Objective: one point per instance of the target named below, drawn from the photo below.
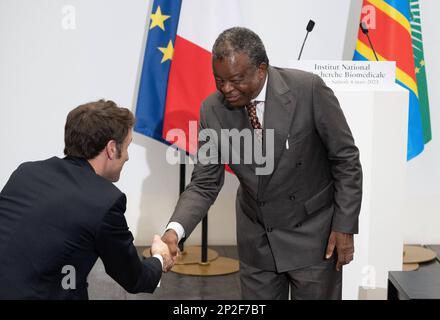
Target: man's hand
(160, 247)
(170, 238)
(344, 248)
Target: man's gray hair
(240, 40)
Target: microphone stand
(364, 29)
(302, 47)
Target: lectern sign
(351, 73)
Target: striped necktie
(252, 113)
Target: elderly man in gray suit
(295, 225)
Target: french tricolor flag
(177, 72)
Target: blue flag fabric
(159, 50)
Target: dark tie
(252, 113)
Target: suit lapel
(278, 115)
(234, 118)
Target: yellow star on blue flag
(158, 19)
(167, 52)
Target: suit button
(269, 229)
(261, 203)
(298, 225)
(299, 164)
(292, 197)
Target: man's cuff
(158, 256)
(178, 228)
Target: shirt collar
(262, 95)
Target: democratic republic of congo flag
(420, 64)
(389, 27)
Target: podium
(378, 118)
(379, 122)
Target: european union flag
(159, 51)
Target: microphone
(364, 29)
(309, 28)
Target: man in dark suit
(295, 225)
(58, 216)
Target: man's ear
(262, 69)
(110, 149)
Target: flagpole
(205, 239)
(204, 247)
(182, 185)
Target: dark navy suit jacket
(57, 217)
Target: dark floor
(181, 287)
(173, 286)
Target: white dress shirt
(260, 102)
(158, 256)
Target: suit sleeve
(343, 156)
(206, 181)
(115, 247)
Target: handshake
(167, 247)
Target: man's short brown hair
(89, 127)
